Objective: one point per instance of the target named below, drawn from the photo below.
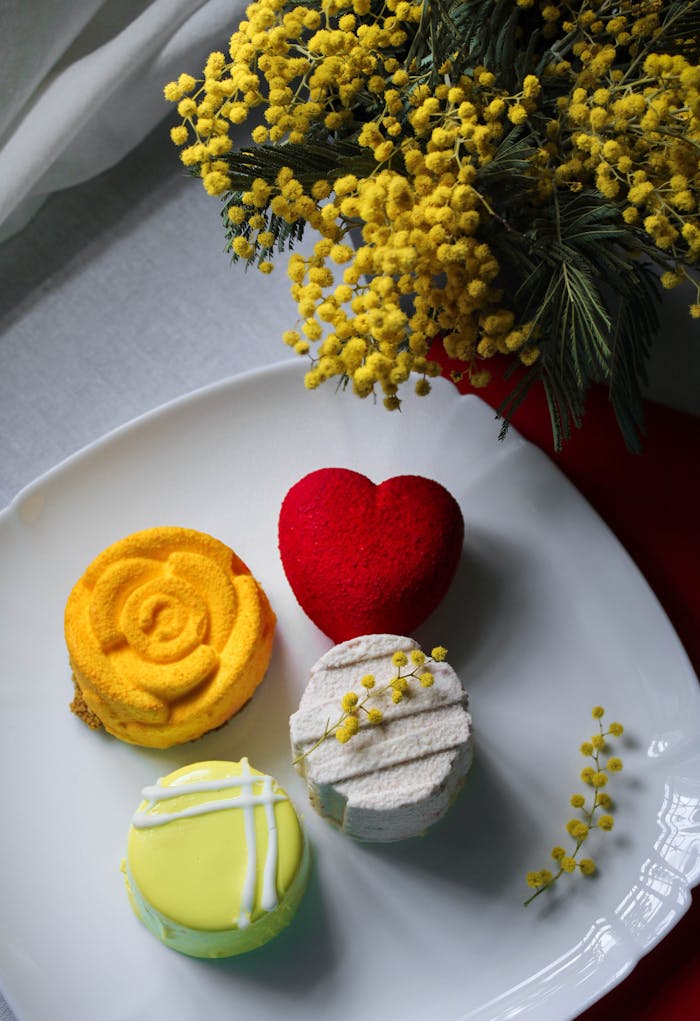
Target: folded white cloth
(82, 83)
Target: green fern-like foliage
(596, 331)
(587, 194)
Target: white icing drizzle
(269, 890)
(245, 800)
(158, 793)
(248, 891)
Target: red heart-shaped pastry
(365, 559)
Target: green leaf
(593, 303)
(310, 161)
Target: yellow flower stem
(577, 848)
(589, 814)
(541, 889)
(360, 706)
(331, 729)
(643, 53)
(326, 734)
(492, 212)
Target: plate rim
(285, 368)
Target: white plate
(547, 617)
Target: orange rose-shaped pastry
(168, 635)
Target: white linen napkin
(81, 83)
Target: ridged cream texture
(391, 780)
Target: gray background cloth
(119, 296)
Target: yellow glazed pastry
(217, 860)
(168, 635)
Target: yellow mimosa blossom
(579, 829)
(429, 185)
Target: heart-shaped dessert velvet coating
(369, 559)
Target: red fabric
(651, 501)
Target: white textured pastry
(394, 779)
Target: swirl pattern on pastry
(168, 635)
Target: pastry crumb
(80, 709)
